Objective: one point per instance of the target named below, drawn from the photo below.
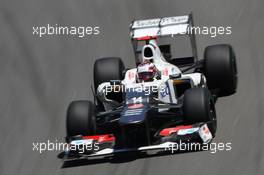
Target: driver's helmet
(146, 72)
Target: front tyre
(198, 107)
(81, 118)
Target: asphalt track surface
(40, 76)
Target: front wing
(171, 139)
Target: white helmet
(146, 72)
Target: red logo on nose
(134, 106)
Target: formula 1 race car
(163, 101)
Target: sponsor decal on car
(205, 133)
(135, 106)
(187, 131)
(165, 72)
(131, 75)
(164, 92)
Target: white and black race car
(176, 104)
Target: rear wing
(144, 30)
(160, 27)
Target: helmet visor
(145, 76)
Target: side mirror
(175, 76)
(115, 82)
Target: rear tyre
(81, 118)
(198, 106)
(221, 69)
